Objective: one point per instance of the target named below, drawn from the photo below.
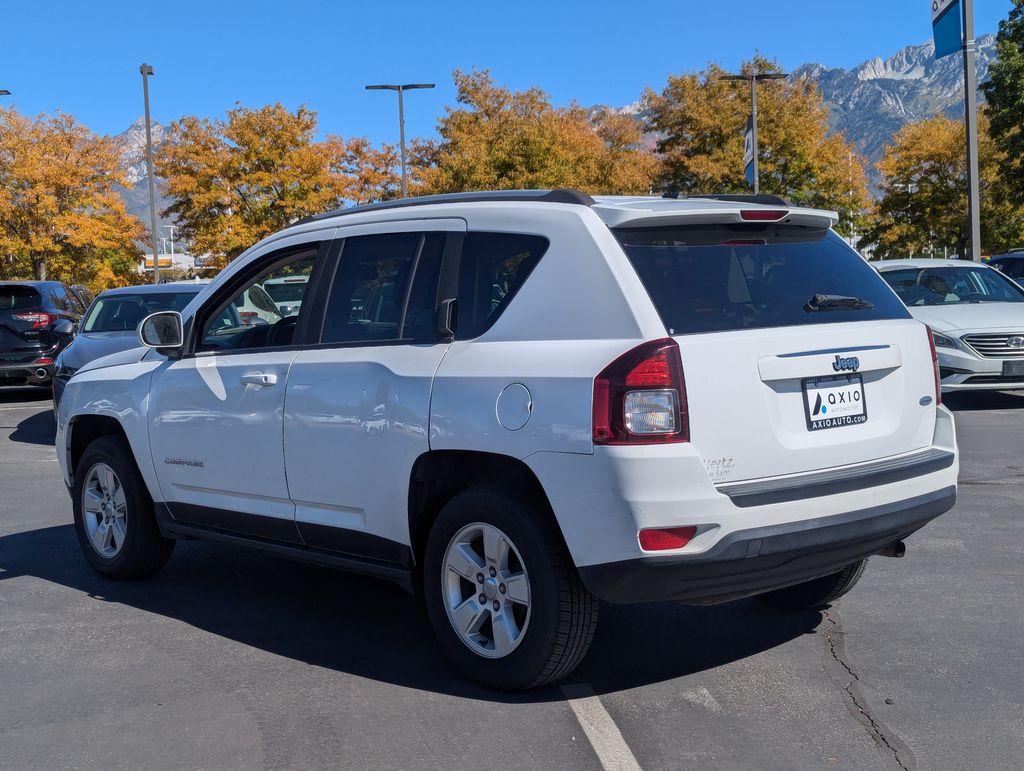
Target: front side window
(951, 286)
(252, 320)
(123, 312)
(385, 288)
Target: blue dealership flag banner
(748, 150)
(949, 36)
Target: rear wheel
(114, 518)
(817, 592)
(502, 593)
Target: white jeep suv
(574, 400)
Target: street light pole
(971, 109)
(146, 70)
(401, 88)
(4, 92)
(172, 228)
(754, 78)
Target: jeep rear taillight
(640, 398)
(935, 366)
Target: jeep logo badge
(851, 363)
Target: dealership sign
(946, 27)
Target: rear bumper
(747, 562)
(25, 374)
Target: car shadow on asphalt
(373, 629)
(977, 401)
(40, 428)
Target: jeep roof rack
(762, 198)
(560, 195)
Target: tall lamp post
(4, 92)
(754, 78)
(401, 88)
(971, 117)
(146, 70)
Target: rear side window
(721, 278)
(492, 268)
(16, 298)
(385, 288)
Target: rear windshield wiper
(836, 302)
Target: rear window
(727, 277)
(289, 290)
(14, 298)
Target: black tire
(818, 592)
(563, 614)
(144, 550)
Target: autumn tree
(924, 202)
(369, 173)
(60, 214)
(1004, 93)
(235, 181)
(699, 120)
(497, 138)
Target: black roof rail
(560, 195)
(762, 198)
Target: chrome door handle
(258, 379)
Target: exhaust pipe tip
(896, 549)
(42, 374)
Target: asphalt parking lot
(231, 659)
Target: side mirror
(64, 328)
(162, 330)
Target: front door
(216, 415)
(358, 404)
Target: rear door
(778, 382)
(358, 403)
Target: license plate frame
(847, 385)
(1013, 369)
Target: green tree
(699, 119)
(60, 214)
(503, 139)
(1004, 92)
(924, 202)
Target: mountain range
(868, 103)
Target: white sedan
(976, 315)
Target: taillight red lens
(935, 367)
(763, 215)
(651, 376)
(661, 539)
(38, 320)
(44, 360)
(248, 317)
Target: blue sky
(83, 57)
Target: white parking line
(602, 733)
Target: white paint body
(333, 441)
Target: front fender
(121, 393)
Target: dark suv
(31, 329)
(1011, 264)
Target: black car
(37, 321)
(83, 293)
(1010, 264)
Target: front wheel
(502, 593)
(817, 592)
(114, 518)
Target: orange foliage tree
(60, 214)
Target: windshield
(282, 292)
(952, 286)
(14, 298)
(123, 312)
(726, 277)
